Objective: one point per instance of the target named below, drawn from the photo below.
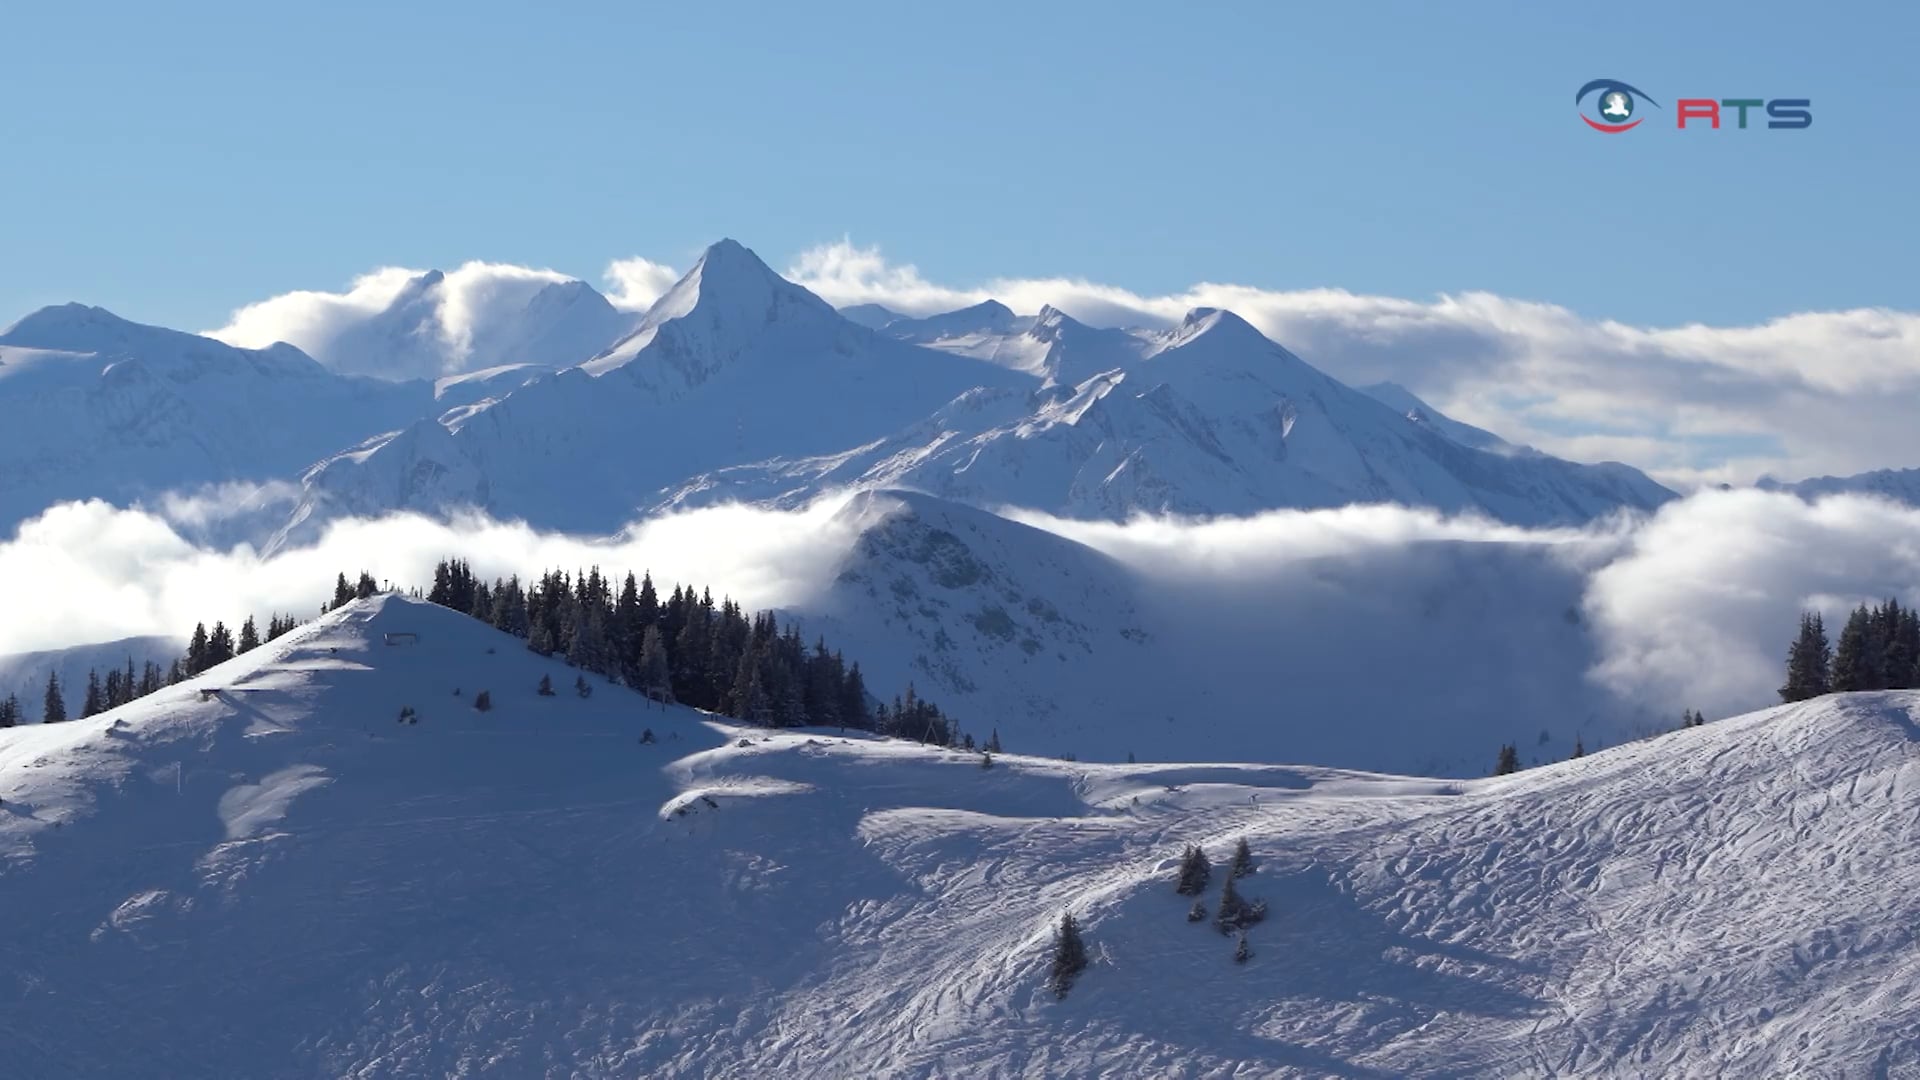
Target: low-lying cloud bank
(1692, 607)
(86, 572)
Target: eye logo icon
(1614, 104)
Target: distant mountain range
(740, 385)
(1900, 485)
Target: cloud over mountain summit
(1805, 394)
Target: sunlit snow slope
(277, 879)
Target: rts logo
(1616, 105)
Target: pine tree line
(205, 649)
(1879, 649)
(687, 648)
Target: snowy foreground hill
(261, 873)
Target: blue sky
(174, 164)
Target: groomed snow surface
(262, 873)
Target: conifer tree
(1855, 665)
(546, 686)
(1809, 661)
(582, 687)
(249, 636)
(54, 708)
(9, 711)
(582, 639)
(1898, 654)
(655, 675)
(853, 702)
(540, 639)
(824, 675)
(993, 741)
(1242, 952)
(1195, 869)
(1069, 956)
(1242, 859)
(342, 592)
(95, 702)
(197, 650)
(649, 610)
(1579, 748)
(623, 637)
(692, 682)
(1509, 761)
(442, 591)
(1234, 911)
(219, 644)
(483, 701)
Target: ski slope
(261, 873)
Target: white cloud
(1700, 606)
(394, 322)
(215, 515)
(478, 296)
(1178, 550)
(311, 319)
(1692, 607)
(94, 572)
(634, 284)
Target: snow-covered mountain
(1419, 659)
(1900, 485)
(738, 384)
(871, 316)
(94, 406)
(1403, 401)
(1207, 418)
(24, 675)
(732, 364)
(532, 890)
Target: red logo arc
(1611, 129)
